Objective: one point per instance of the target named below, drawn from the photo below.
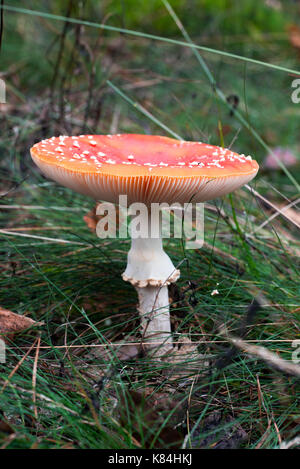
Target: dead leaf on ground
(5, 427)
(12, 323)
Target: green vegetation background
(57, 83)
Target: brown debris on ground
(12, 323)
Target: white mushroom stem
(150, 271)
(155, 318)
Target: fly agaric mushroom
(147, 169)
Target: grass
(68, 392)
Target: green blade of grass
(147, 36)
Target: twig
(258, 351)
(279, 210)
(39, 207)
(57, 240)
(288, 444)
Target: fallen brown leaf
(11, 323)
(5, 427)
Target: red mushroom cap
(146, 168)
